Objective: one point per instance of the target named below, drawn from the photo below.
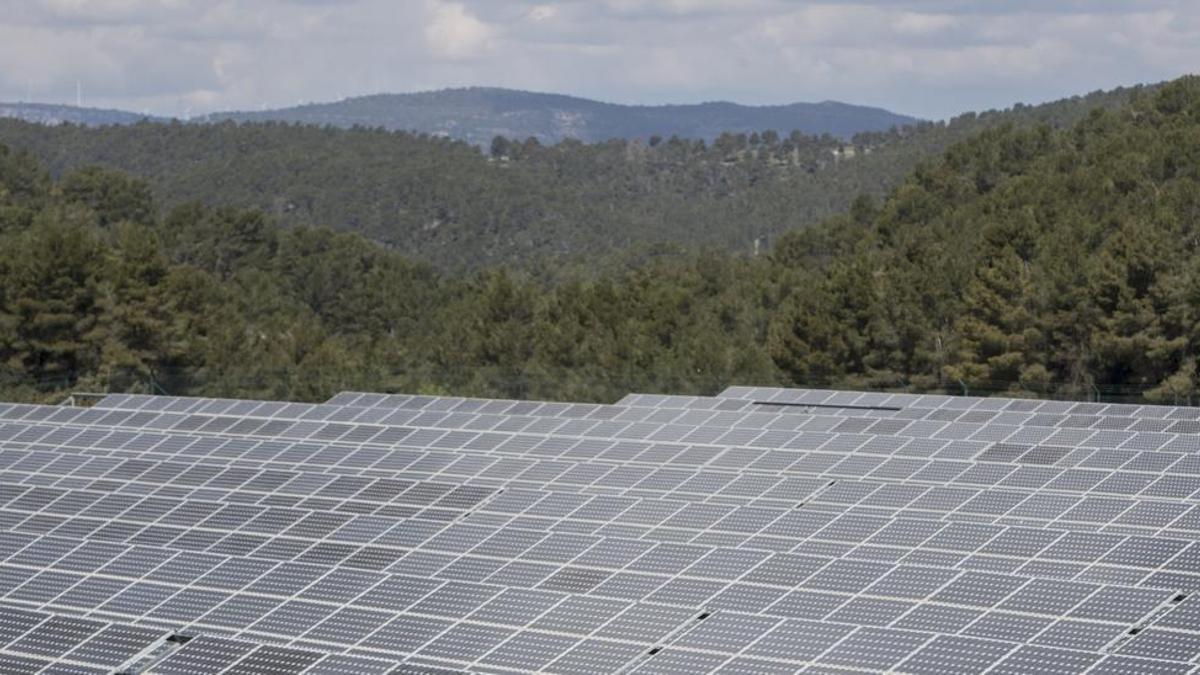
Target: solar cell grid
(858, 533)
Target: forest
(479, 114)
(1043, 257)
(521, 203)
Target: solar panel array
(759, 531)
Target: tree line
(1028, 259)
(521, 203)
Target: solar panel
(760, 530)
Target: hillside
(55, 114)
(1024, 260)
(479, 114)
(446, 203)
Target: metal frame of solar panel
(760, 530)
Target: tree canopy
(522, 203)
(1029, 259)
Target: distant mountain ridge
(478, 114)
(54, 114)
(444, 202)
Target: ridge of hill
(54, 114)
(1026, 259)
(447, 203)
(479, 114)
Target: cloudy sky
(931, 58)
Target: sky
(929, 58)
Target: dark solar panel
(762, 530)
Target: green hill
(54, 114)
(446, 203)
(478, 114)
(1027, 259)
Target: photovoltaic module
(757, 531)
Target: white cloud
(686, 7)
(542, 12)
(927, 57)
(912, 23)
(452, 32)
(101, 12)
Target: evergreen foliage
(1028, 259)
(522, 203)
